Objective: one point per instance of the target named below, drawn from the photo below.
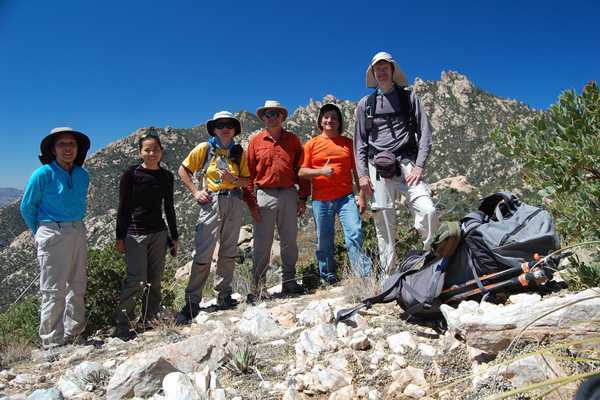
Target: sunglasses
(221, 125)
(271, 114)
(148, 134)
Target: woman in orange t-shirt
(329, 164)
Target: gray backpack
(502, 233)
(497, 239)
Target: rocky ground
(299, 353)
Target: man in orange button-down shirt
(274, 157)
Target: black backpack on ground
(500, 240)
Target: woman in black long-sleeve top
(142, 233)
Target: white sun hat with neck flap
(398, 77)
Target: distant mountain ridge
(460, 113)
(9, 195)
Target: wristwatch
(235, 180)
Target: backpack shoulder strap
(426, 299)
(235, 155)
(210, 154)
(370, 112)
(488, 204)
(406, 108)
(201, 173)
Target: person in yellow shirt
(223, 170)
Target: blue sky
(108, 68)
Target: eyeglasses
(271, 114)
(149, 134)
(221, 125)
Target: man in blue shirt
(53, 206)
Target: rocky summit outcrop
(301, 353)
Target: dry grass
(14, 353)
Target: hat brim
(399, 78)
(47, 155)
(260, 111)
(210, 125)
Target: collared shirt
(384, 138)
(274, 164)
(195, 161)
(54, 195)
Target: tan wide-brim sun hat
(272, 105)
(83, 145)
(398, 77)
(210, 124)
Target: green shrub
(564, 164)
(106, 275)
(20, 324)
(407, 237)
(582, 275)
(307, 267)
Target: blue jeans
(324, 215)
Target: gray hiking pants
(62, 255)
(145, 258)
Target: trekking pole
(552, 261)
(539, 276)
(538, 264)
(454, 289)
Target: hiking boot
(254, 298)
(226, 303)
(77, 340)
(149, 323)
(188, 313)
(292, 287)
(52, 354)
(123, 332)
(326, 283)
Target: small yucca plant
(240, 359)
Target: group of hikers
(273, 176)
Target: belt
(275, 188)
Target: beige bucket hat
(272, 105)
(399, 78)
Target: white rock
(492, 328)
(260, 322)
(426, 350)
(400, 341)
(178, 386)
(332, 380)
(360, 343)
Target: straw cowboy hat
(272, 105)
(398, 77)
(46, 147)
(210, 124)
